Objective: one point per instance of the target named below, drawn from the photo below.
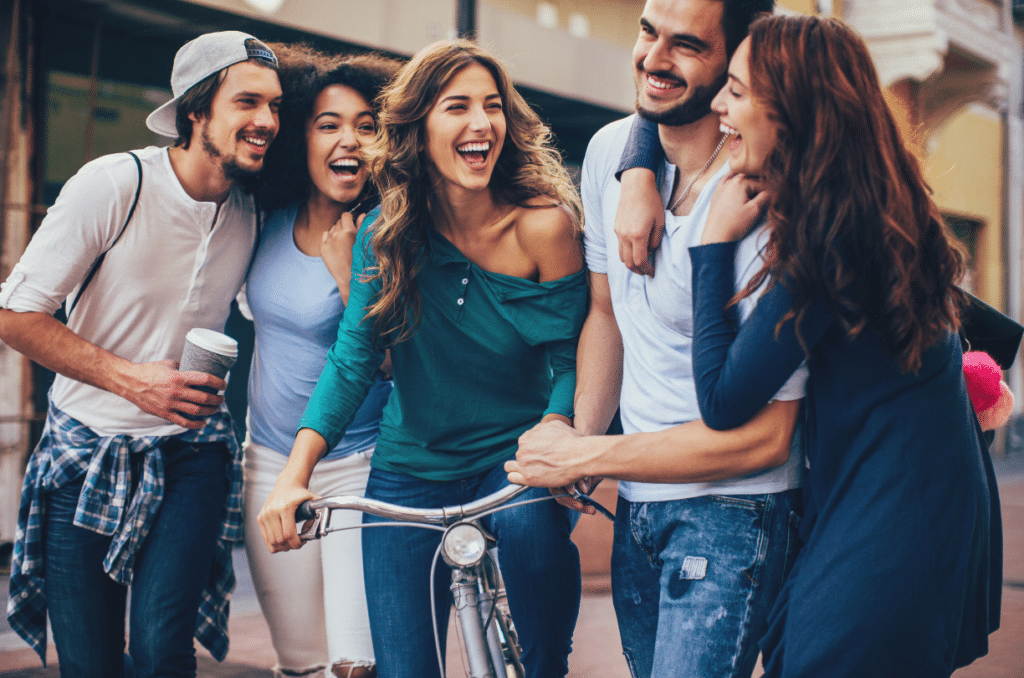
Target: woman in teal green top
(472, 275)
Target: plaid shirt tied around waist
(109, 505)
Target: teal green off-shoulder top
(492, 355)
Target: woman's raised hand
(336, 251)
(736, 207)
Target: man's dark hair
(199, 100)
(737, 15)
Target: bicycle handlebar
(440, 516)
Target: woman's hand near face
(336, 251)
(736, 206)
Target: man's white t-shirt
(655, 318)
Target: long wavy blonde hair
(528, 167)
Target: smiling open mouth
(662, 83)
(260, 142)
(475, 153)
(734, 143)
(345, 166)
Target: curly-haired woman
(314, 176)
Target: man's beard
(232, 170)
(689, 111)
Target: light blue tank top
(296, 308)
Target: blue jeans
(87, 608)
(693, 580)
(540, 566)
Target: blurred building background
(80, 76)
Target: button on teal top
(493, 354)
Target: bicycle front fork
(473, 608)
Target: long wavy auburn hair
(852, 217)
(528, 167)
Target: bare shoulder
(550, 235)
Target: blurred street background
(79, 77)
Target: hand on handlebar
(546, 457)
(277, 517)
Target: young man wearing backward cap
(123, 489)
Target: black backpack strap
(259, 232)
(99, 259)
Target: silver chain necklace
(689, 187)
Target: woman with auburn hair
(900, 572)
(472, 275)
(313, 184)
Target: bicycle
(489, 636)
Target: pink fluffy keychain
(990, 395)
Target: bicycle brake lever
(579, 496)
(317, 527)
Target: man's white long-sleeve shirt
(178, 265)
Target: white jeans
(313, 598)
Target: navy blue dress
(901, 569)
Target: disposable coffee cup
(210, 352)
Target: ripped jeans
(693, 580)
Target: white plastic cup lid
(212, 341)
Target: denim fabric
(120, 495)
(540, 566)
(87, 608)
(693, 580)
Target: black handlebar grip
(304, 512)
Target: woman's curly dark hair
(304, 73)
(852, 218)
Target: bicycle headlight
(463, 545)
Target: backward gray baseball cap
(200, 58)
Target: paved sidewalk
(596, 652)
